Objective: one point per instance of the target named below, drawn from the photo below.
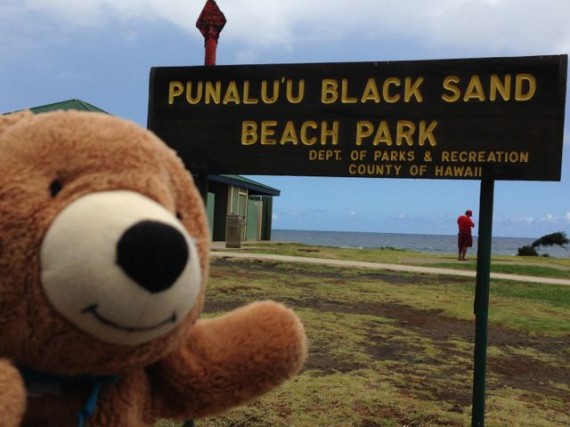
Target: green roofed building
(72, 104)
(233, 200)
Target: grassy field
(395, 349)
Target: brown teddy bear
(103, 262)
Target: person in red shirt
(464, 237)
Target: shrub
(559, 238)
(527, 250)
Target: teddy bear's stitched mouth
(92, 309)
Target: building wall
(221, 194)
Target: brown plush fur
(12, 395)
(199, 368)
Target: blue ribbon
(32, 376)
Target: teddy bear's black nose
(153, 254)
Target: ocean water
(427, 243)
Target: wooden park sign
(487, 118)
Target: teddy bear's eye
(178, 216)
(55, 187)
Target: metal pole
(210, 23)
(481, 306)
(202, 182)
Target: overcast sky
(101, 51)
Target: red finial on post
(210, 23)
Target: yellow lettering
(502, 87)
(198, 97)
(289, 134)
(232, 94)
(370, 92)
(364, 129)
(329, 91)
(265, 97)
(388, 97)
(496, 88)
(344, 98)
(300, 91)
(474, 90)
(449, 84)
(305, 138)
(364, 169)
(413, 89)
(248, 132)
(485, 156)
(329, 133)
(405, 130)
(267, 132)
(246, 97)
(213, 92)
(383, 134)
(394, 156)
(524, 82)
(401, 132)
(325, 155)
(426, 133)
(273, 132)
(175, 88)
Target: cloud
(553, 219)
(90, 13)
(516, 220)
(530, 226)
(550, 218)
(502, 25)
(509, 26)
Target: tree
(559, 239)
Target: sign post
(481, 305)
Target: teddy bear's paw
(12, 395)
(240, 355)
(262, 344)
(277, 338)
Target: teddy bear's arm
(12, 395)
(228, 361)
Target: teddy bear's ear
(9, 119)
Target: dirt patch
(528, 374)
(511, 370)
(447, 335)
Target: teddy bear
(104, 248)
